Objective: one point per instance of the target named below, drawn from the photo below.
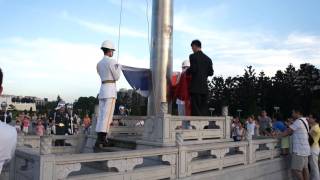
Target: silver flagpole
(161, 55)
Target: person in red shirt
(40, 128)
(182, 93)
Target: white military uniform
(8, 141)
(108, 70)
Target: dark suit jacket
(200, 68)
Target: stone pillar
(227, 127)
(94, 120)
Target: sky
(50, 48)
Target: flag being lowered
(138, 78)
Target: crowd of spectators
(299, 135)
(42, 124)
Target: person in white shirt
(109, 71)
(300, 145)
(8, 137)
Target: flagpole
(161, 56)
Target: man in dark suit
(200, 69)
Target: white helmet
(60, 105)
(186, 63)
(108, 44)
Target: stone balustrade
(156, 163)
(263, 149)
(71, 144)
(214, 157)
(32, 141)
(128, 125)
(200, 128)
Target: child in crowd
(250, 127)
(18, 126)
(237, 130)
(279, 126)
(40, 128)
(25, 124)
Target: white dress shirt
(108, 69)
(8, 141)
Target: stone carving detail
(171, 158)
(255, 147)
(270, 146)
(242, 149)
(199, 124)
(62, 171)
(123, 165)
(191, 155)
(179, 139)
(220, 153)
(131, 163)
(163, 108)
(175, 125)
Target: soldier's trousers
(105, 116)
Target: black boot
(101, 142)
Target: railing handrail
(219, 145)
(69, 137)
(118, 117)
(263, 141)
(198, 118)
(91, 157)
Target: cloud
(102, 28)
(233, 50)
(48, 67)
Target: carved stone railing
(206, 157)
(263, 149)
(128, 125)
(32, 141)
(69, 144)
(158, 163)
(155, 163)
(25, 164)
(200, 128)
(217, 156)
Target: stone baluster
(45, 145)
(125, 165)
(250, 152)
(20, 140)
(62, 171)
(225, 111)
(227, 127)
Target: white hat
(108, 44)
(186, 63)
(61, 104)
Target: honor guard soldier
(61, 122)
(109, 71)
(4, 114)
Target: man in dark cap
(200, 68)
